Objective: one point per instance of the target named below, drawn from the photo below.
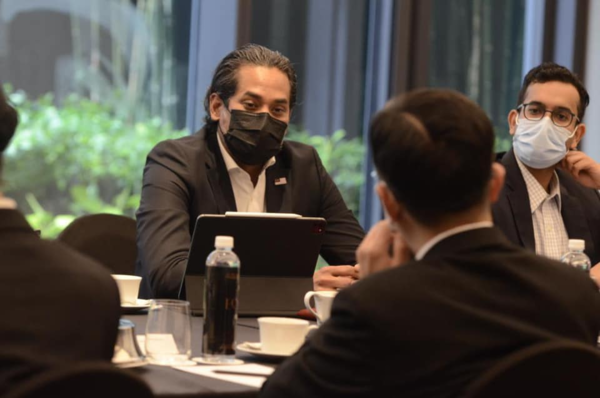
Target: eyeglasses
(536, 111)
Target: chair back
(90, 380)
(552, 369)
(108, 238)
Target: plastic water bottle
(575, 257)
(221, 287)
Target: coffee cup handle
(307, 298)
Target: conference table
(169, 382)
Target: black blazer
(426, 329)
(186, 177)
(58, 306)
(580, 210)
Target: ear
(390, 205)
(581, 129)
(512, 121)
(215, 105)
(496, 182)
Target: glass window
(476, 47)
(326, 42)
(97, 83)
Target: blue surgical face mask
(540, 143)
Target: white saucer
(131, 364)
(255, 349)
(205, 362)
(139, 305)
(189, 362)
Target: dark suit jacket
(580, 210)
(429, 327)
(186, 177)
(58, 306)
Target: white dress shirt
(551, 239)
(248, 198)
(448, 233)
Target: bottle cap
(224, 241)
(576, 244)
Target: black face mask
(253, 138)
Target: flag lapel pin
(280, 181)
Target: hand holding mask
(582, 168)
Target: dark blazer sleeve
(163, 235)
(336, 361)
(581, 214)
(344, 233)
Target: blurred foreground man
(58, 307)
(445, 294)
(550, 195)
(239, 161)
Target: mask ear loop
(573, 133)
(571, 136)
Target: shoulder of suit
(188, 146)
(401, 279)
(570, 277)
(64, 262)
(189, 141)
(294, 152)
(297, 146)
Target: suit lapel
(277, 179)
(218, 177)
(518, 200)
(574, 217)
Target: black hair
(434, 150)
(224, 81)
(551, 72)
(8, 122)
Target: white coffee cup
(323, 301)
(282, 336)
(129, 287)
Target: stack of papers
(259, 373)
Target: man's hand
(595, 274)
(583, 168)
(335, 277)
(381, 249)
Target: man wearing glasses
(550, 194)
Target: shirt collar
(537, 193)
(448, 233)
(7, 203)
(231, 164)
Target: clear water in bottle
(575, 257)
(221, 289)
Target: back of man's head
(8, 123)
(433, 149)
